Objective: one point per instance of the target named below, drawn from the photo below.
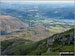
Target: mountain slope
(53, 45)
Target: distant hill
(50, 46)
(11, 24)
(34, 10)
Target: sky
(37, 0)
(41, 1)
(59, 1)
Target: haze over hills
(32, 10)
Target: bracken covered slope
(10, 24)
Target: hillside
(33, 21)
(50, 46)
(10, 24)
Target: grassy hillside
(50, 46)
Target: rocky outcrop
(64, 38)
(48, 51)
